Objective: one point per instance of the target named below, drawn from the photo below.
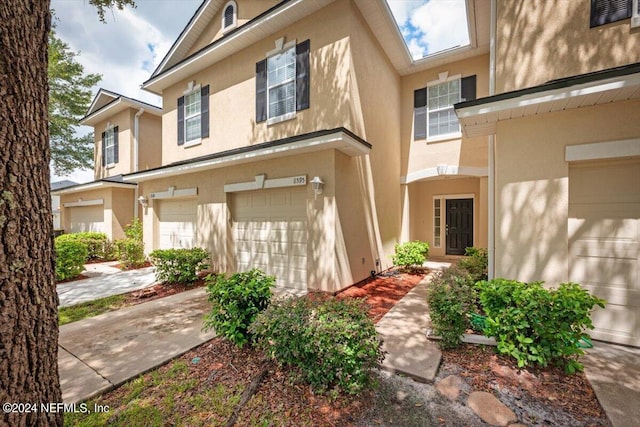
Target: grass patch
(90, 309)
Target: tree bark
(28, 298)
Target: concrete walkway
(614, 374)
(104, 280)
(403, 329)
(102, 352)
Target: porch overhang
(480, 117)
(95, 185)
(339, 139)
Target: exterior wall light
(318, 185)
(143, 201)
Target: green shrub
(410, 255)
(475, 263)
(333, 344)
(70, 258)
(179, 265)
(130, 250)
(236, 301)
(95, 242)
(451, 296)
(536, 325)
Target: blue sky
(131, 44)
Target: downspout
(491, 145)
(136, 135)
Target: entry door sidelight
(459, 225)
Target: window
(434, 115)
(606, 11)
(436, 223)
(110, 146)
(229, 16)
(193, 116)
(282, 84)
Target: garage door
(177, 223)
(86, 218)
(604, 235)
(270, 232)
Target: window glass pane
(281, 73)
(192, 127)
(441, 118)
(436, 223)
(109, 145)
(192, 104)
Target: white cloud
(402, 9)
(442, 24)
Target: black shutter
(115, 144)
(104, 149)
(204, 112)
(302, 75)
(606, 11)
(181, 120)
(468, 88)
(261, 91)
(420, 114)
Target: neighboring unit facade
(565, 126)
(55, 202)
(300, 141)
(127, 138)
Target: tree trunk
(28, 298)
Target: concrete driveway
(104, 280)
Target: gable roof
(113, 182)
(58, 185)
(176, 66)
(107, 103)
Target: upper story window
(110, 146)
(193, 115)
(434, 117)
(282, 83)
(606, 11)
(229, 16)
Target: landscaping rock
(450, 387)
(490, 409)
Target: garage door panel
(604, 248)
(86, 218)
(271, 234)
(177, 223)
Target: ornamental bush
(97, 243)
(70, 257)
(410, 255)
(179, 265)
(451, 296)
(130, 251)
(475, 262)
(332, 344)
(236, 301)
(536, 325)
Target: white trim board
(602, 150)
(172, 192)
(261, 182)
(93, 202)
(451, 170)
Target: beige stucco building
(128, 138)
(564, 133)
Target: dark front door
(459, 226)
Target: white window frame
(280, 51)
(234, 24)
(437, 235)
(191, 91)
(451, 135)
(109, 144)
(635, 14)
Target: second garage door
(176, 223)
(86, 218)
(270, 232)
(604, 248)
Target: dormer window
(229, 16)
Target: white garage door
(177, 223)
(270, 232)
(604, 236)
(86, 218)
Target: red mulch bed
(384, 291)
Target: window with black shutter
(193, 116)
(606, 11)
(110, 146)
(283, 83)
